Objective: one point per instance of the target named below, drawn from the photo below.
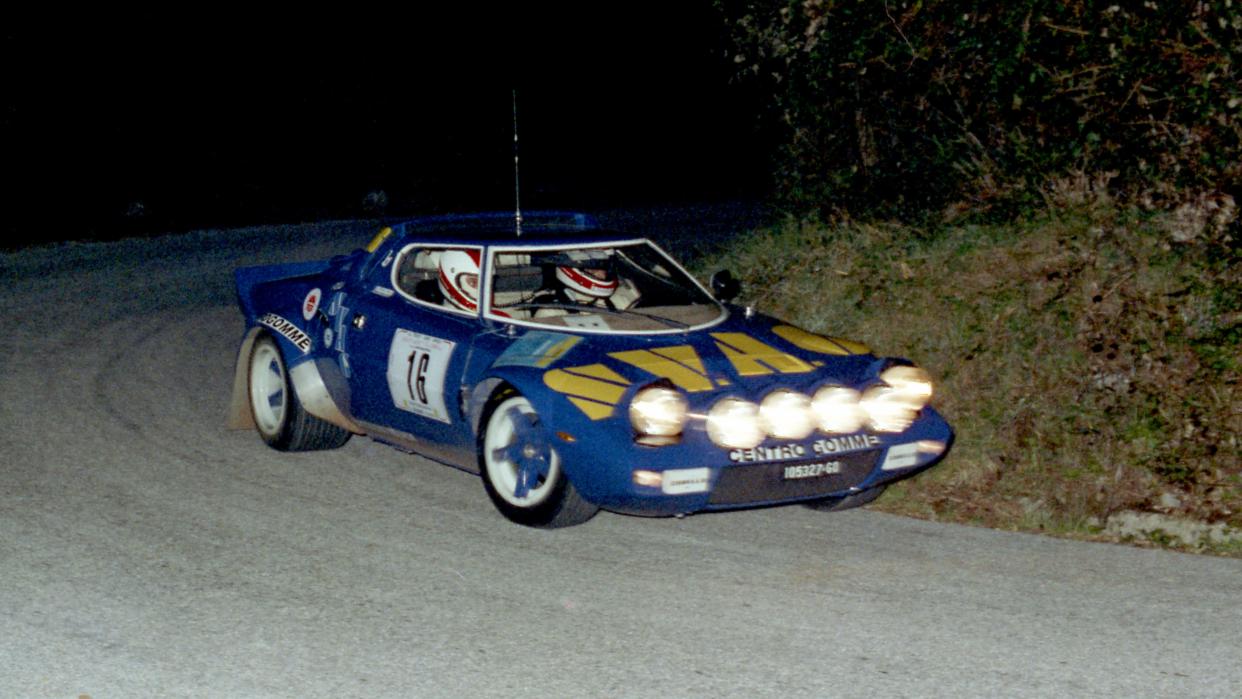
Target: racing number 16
(417, 365)
(416, 379)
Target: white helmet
(591, 282)
(459, 278)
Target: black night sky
(146, 124)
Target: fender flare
(307, 382)
(529, 383)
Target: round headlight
(913, 383)
(734, 423)
(785, 414)
(888, 409)
(658, 411)
(837, 410)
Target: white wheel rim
(504, 473)
(268, 397)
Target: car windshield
(628, 287)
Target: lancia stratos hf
(573, 369)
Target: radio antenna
(517, 189)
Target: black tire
(279, 417)
(848, 502)
(521, 470)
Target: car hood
(745, 356)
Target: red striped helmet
(459, 278)
(594, 282)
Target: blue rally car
(573, 369)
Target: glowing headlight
(837, 410)
(888, 409)
(734, 423)
(658, 411)
(786, 415)
(911, 382)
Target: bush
(946, 106)
(1089, 362)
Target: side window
(417, 273)
(440, 276)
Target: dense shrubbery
(942, 106)
(1089, 346)
(1089, 360)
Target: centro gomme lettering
(291, 332)
(836, 445)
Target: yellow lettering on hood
(818, 343)
(751, 357)
(679, 364)
(594, 388)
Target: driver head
(459, 278)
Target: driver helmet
(586, 283)
(459, 278)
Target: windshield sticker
(291, 332)
(311, 303)
(537, 349)
(417, 365)
(588, 322)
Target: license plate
(815, 470)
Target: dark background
(120, 126)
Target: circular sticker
(311, 304)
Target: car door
(406, 350)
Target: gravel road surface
(146, 551)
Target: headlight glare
(913, 383)
(888, 409)
(658, 411)
(785, 414)
(734, 423)
(837, 410)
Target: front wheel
(522, 472)
(279, 417)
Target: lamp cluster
(891, 405)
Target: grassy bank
(1089, 360)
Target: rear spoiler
(247, 278)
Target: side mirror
(725, 286)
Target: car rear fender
(308, 384)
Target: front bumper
(677, 483)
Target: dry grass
(1089, 363)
